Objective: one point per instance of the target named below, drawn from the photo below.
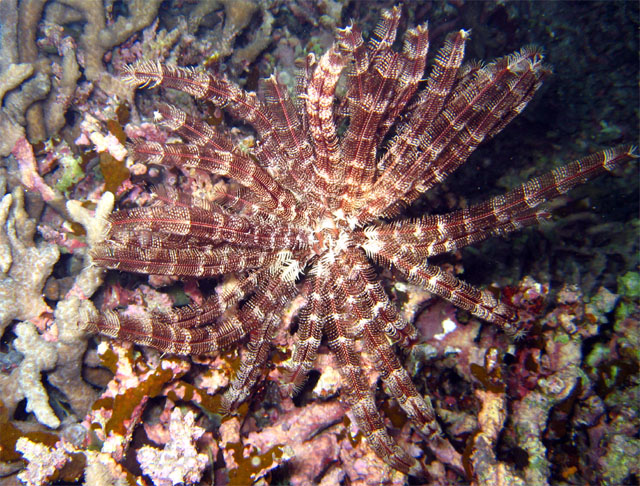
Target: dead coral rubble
(550, 398)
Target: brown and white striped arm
(240, 167)
(358, 392)
(307, 339)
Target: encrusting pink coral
(119, 409)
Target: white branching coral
(40, 355)
(24, 268)
(71, 310)
(179, 461)
(24, 265)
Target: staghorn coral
(25, 79)
(100, 33)
(14, 73)
(71, 311)
(58, 342)
(13, 76)
(39, 356)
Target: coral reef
(558, 406)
